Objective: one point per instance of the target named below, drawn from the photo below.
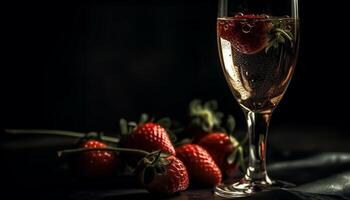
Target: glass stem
(258, 123)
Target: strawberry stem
(58, 133)
(116, 149)
(157, 157)
(241, 158)
(245, 139)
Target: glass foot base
(245, 188)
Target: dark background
(83, 65)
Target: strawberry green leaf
(92, 135)
(218, 116)
(123, 126)
(211, 105)
(234, 142)
(164, 162)
(232, 157)
(143, 118)
(165, 155)
(278, 35)
(157, 156)
(172, 137)
(230, 124)
(196, 122)
(195, 105)
(285, 33)
(204, 116)
(132, 124)
(165, 122)
(281, 39)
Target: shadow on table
(206, 195)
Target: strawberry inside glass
(248, 34)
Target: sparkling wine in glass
(258, 46)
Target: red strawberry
(164, 175)
(200, 165)
(198, 135)
(150, 137)
(220, 146)
(96, 163)
(247, 33)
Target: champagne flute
(258, 45)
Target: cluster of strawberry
(161, 166)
